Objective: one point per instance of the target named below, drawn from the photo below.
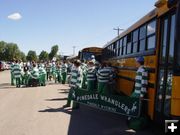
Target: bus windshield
(87, 55)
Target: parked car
(7, 66)
(2, 65)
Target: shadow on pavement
(6, 86)
(64, 92)
(51, 84)
(56, 99)
(91, 121)
(68, 111)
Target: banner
(113, 103)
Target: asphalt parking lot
(38, 111)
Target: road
(38, 111)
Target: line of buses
(156, 36)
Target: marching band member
(91, 76)
(42, 74)
(64, 72)
(74, 83)
(12, 76)
(17, 73)
(84, 75)
(104, 74)
(34, 74)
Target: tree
(11, 51)
(22, 56)
(44, 56)
(53, 53)
(2, 49)
(31, 56)
(58, 57)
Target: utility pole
(74, 47)
(118, 30)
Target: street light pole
(74, 47)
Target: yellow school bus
(86, 53)
(156, 36)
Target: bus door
(165, 68)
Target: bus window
(120, 47)
(151, 28)
(142, 32)
(129, 43)
(167, 103)
(164, 42)
(135, 47)
(160, 90)
(117, 48)
(106, 52)
(171, 49)
(124, 45)
(111, 50)
(151, 37)
(135, 41)
(142, 38)
(142, 45)
(151, 42)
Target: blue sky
(68, 23)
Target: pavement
(38, 111)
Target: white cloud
(15, 16)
